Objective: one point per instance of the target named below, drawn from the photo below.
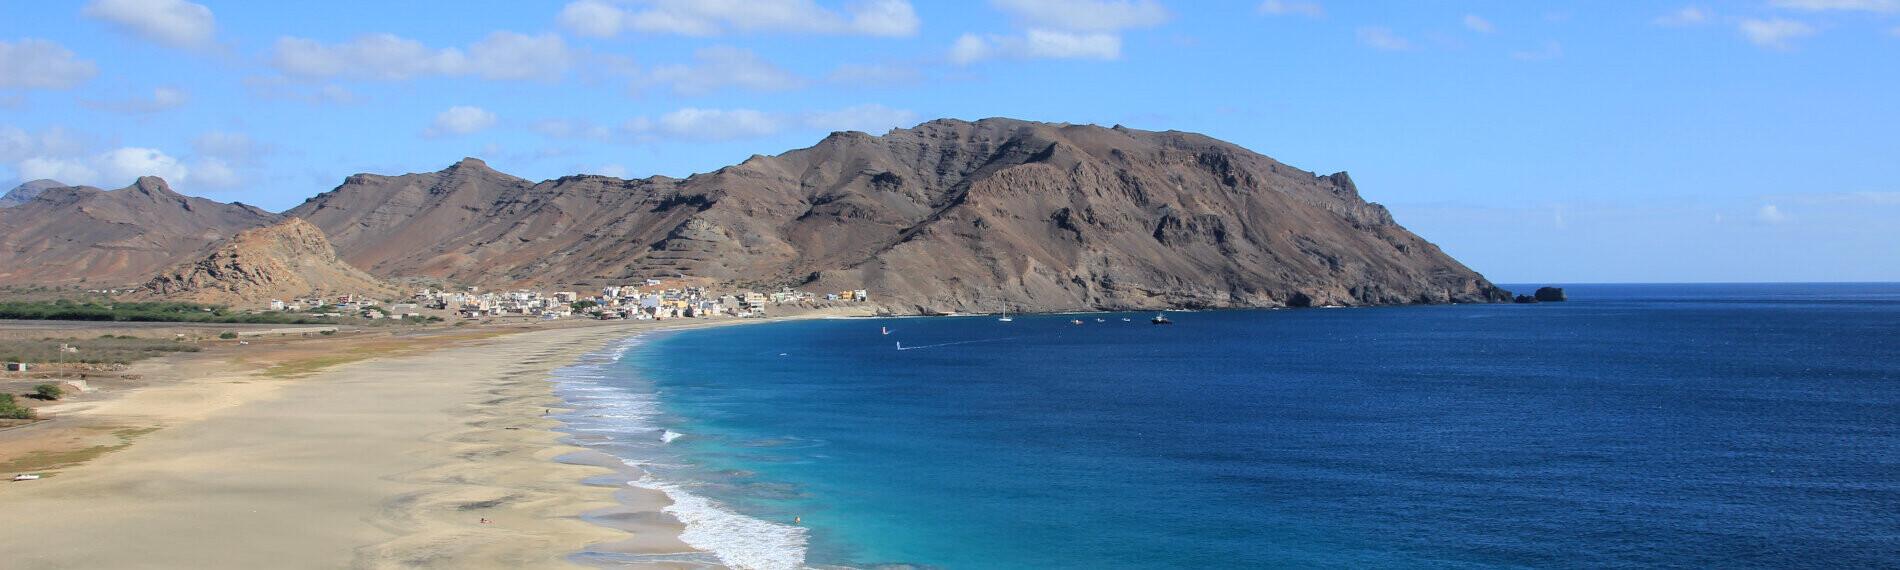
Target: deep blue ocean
(1725, 426)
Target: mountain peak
(28, 190)
(469, 162)
(152, 185)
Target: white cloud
(41, 64)
(162, 99)
(1775, 33)
(1880, 6)
(1478, 24)
(1037, 44)
(1061, 29)
(1382, 38)
(508, 55)
(502, 55)
(1085, 15)
(1291, 7)
(871, 118)
(1550, 50)
(602, 18)
(113, 168)
(174, 23)
(17, 144)
(1770, 214)
(214, 172)
(460, 120)
(720, 67)
(1687, 16)
(697, 124)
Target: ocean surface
(1724, 426)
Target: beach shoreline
(436, 451)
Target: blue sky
(1559, 142)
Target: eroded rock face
(951, 215)
(289, 259)
(74, 235)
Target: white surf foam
(737, 540)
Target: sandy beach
(378, 453)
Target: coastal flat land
(380, 451)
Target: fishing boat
(1160, 319)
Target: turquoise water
(1640, 425)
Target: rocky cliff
(289, 259)
(951, 215)
(65, 236)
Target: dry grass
(48, 460)
(107, 349)
(299, 367)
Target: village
(652, 300)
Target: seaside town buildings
(651, 300)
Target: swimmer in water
(798, 520)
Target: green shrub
(12, 411)
(227, 335)
(328, 332)
(48, 391)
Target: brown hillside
(289, 259)
(65, 236)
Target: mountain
(997, 214)
(82, 234)
(25, 192)
(289, 259)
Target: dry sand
(370, 454)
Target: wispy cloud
(1382, 38)
(1877, 6)
(162, 99)
(601, 18)
(174, 23)
(1685, 16)
(501, 56)
(1291, 8)
(41, 64)
(1550, 50)
(721, 67)
(1478, 24)
(460, 120)
(1061, 29)
(1774, 33)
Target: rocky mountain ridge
(85, 235)
(947, 216)
(950, 215)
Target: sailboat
(1160, 319)
(1005, 318)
